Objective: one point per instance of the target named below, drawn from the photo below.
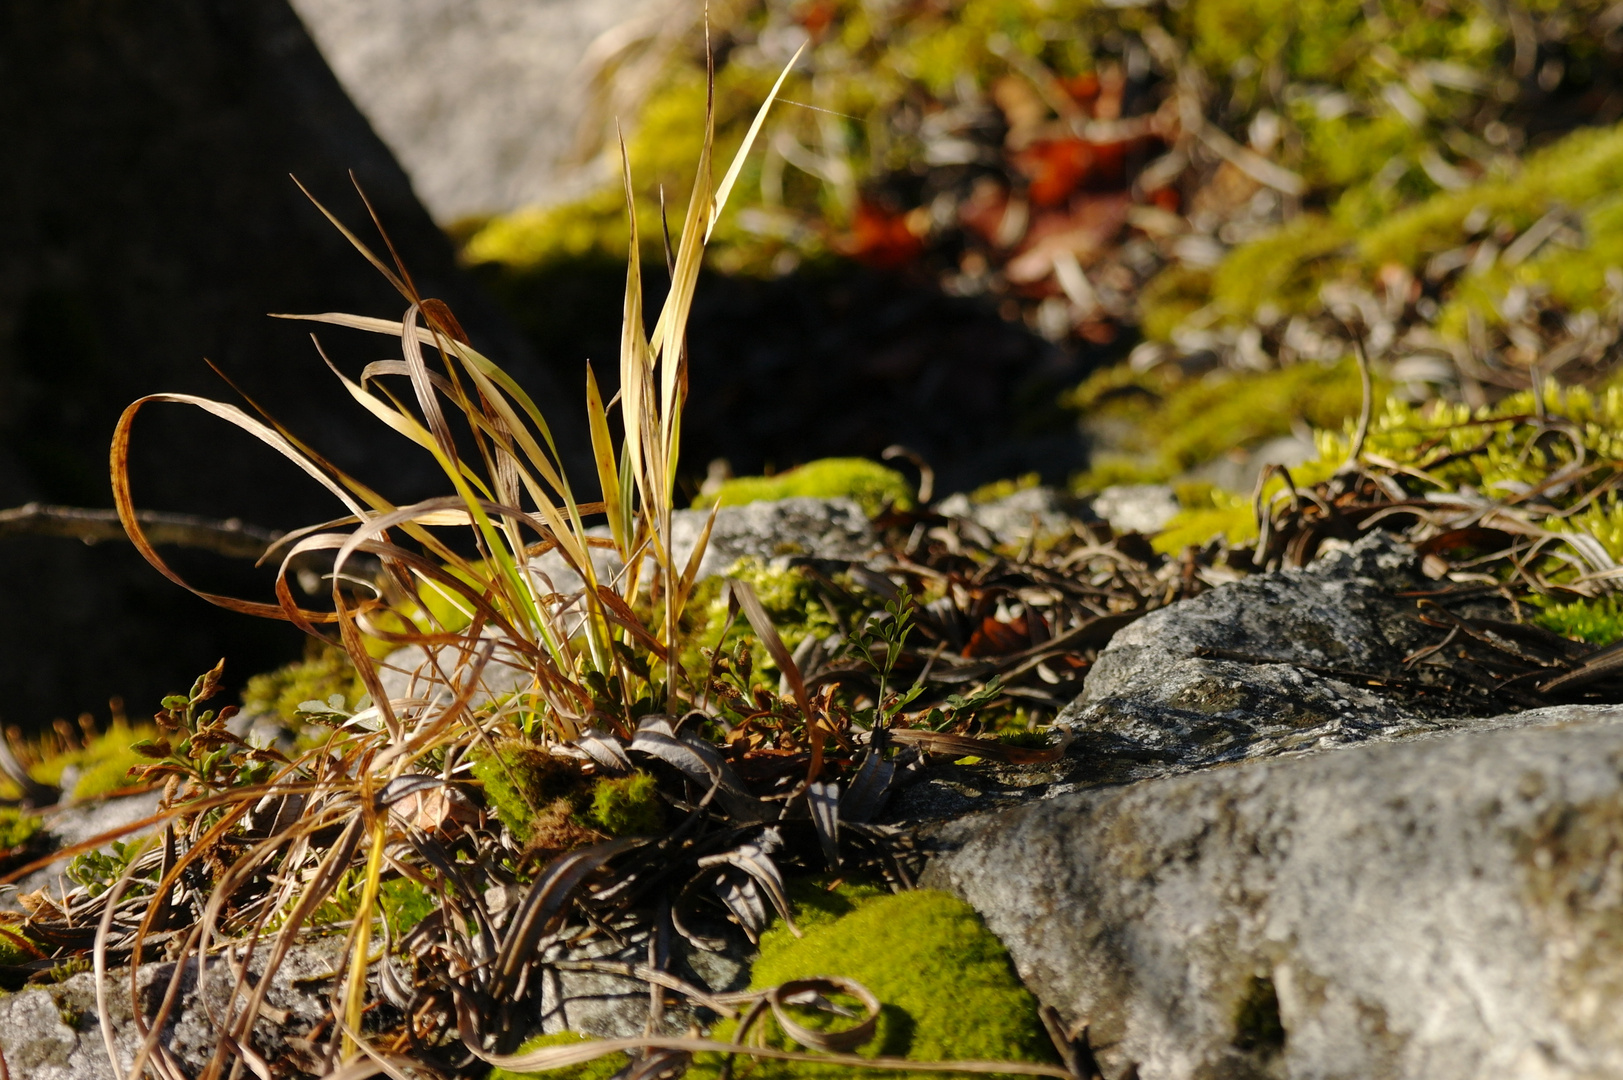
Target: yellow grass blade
(726, 186)
(608, 474)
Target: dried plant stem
(229, 537)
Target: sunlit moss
(102, 765)
(947, 989)
(1179, 425)
(1598, 621)
(1282, 270)
(628, 805)
(324, 671)
(869, 484)
(520, 781)
(17, 828)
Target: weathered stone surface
(1444, 907)
(1154, 704)
(481, 100)
(54, 1032)
(1140, 508)
(1041, 511)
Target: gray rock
(54, 1032)
(1140, 508)
(1448, 907)
(1153, 704)
(1044, 511)
(481, 100)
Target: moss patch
(628, 805)
(103, 764)
(521, 782)
(867, 483)
(17, 830)
(324, 671)
(1178, 425)
(945, 982)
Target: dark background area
(148, 221)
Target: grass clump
(945, 983)
(867, 483)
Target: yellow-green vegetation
(17, 829)
(324, 671)
(1580, 175)
(1179, 424)
(789, 595)
(520, 780)
(628, 805)
(945, 984)
(1500, 451)
(867, 483)
(601, 1069)
(1598, 621)
(545, 801)
(15, 947)
(405, 904)
(103, 763)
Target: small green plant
(878, 642)
(195, 745)
(98, 870)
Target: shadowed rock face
(147, 222)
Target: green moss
(947, 989)
(1180, 425)
(324, 671)
(103, 764)
(790, 596)
(1002, 489)
(1279, 269)
(405, 903)
(520, 780)
(13, 953)
(1171, 297)
(1450, 447)
(869, 484)
(600, 1069)
(1598, 621)
(628, 805)
(17, 828)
